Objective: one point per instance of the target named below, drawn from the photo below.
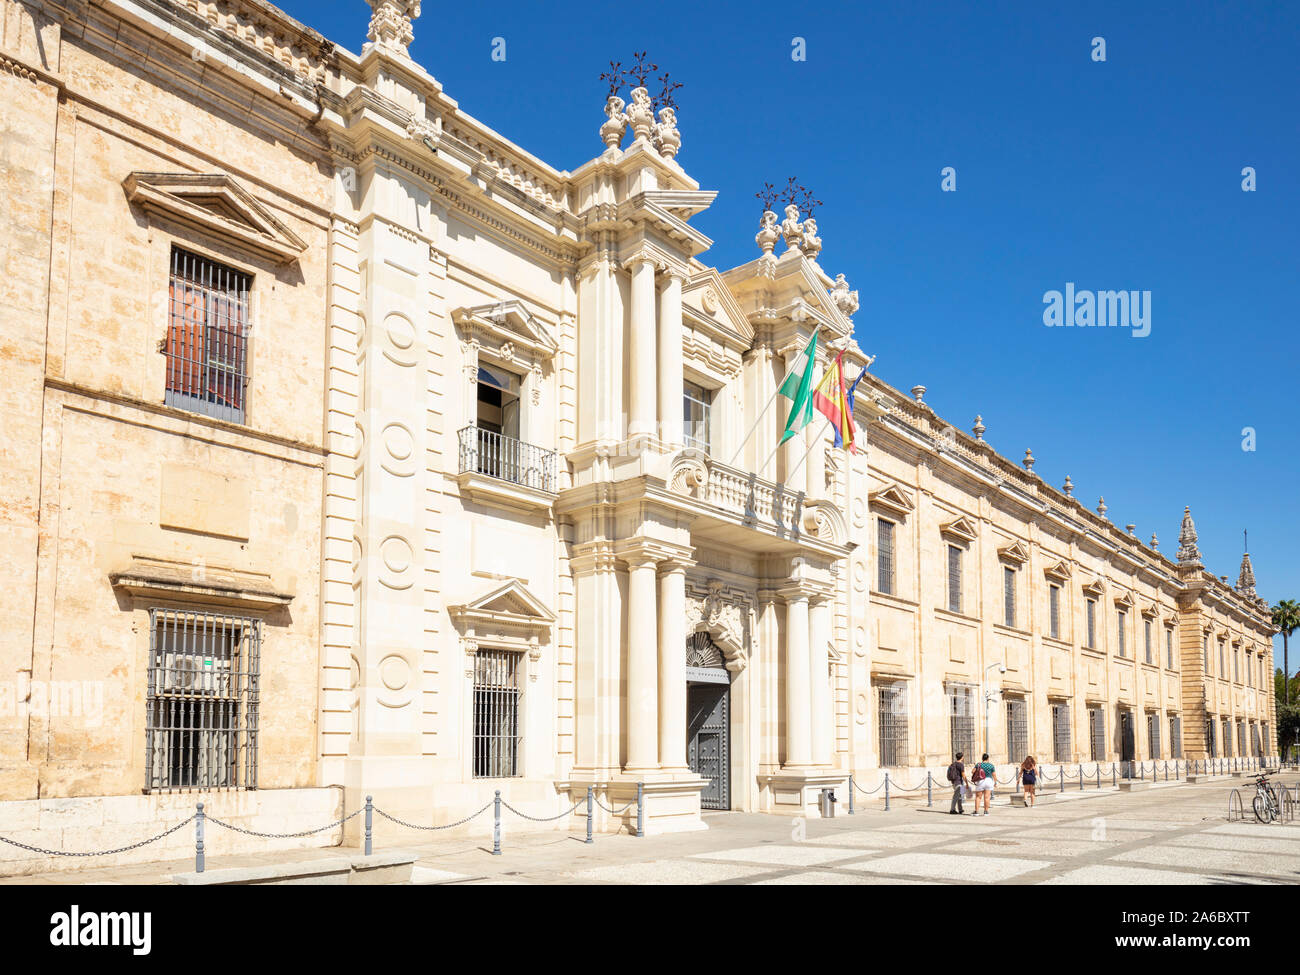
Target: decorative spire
(1101, 507)
(979, 428)
(390, 24)
(1029, 459)
(1155, 542)
(1069, 487)
(1246, 579)
(1188, 553)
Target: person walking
(957, 777)
(1029, 779)
(981, 780)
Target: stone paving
(1168, 834)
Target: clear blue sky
(1117, 175)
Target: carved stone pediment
(960, 529)
(1060, 571)
(1014, 553)
(724, 615)
(507, 616)
(215, 204)
(893, 500)
(510, 325)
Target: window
(1060, 732)
(1205, 648)
(1017, 729)
(1223, 662)
(201, 701)
(1227, 737)
(954, 579)
(498, 402)
(1210, 744)
(1097, 733)
(496, 714)
(1169, 648)
(892, 701)
(1008, 596)
(1054, 610)
(1241, 739)
(1146, 638)
(1090, 611)
(961, 719)
(1153, 736)
(207, 337)
(697, 403)
(1121, 618)
(885, 556)
(1236, 672)
(1175, 736)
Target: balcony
(501, 470)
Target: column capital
(644, 254)
(639, 551)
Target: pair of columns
(656, 381)
(807, 677)
(656, 663)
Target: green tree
(1288, 722)
(1286, 619)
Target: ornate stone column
(672, 664)
(642, 663)
(819, 635)
(670, 359)
(798, 725)
(643, 372)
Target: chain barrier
(549, 819)
(459, 822)
(612, 812)
(866, 792)
(98, 853)
(282, 836)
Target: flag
(853, 390)
(798, 388)
(831, 401)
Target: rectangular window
(954, 579)
(1153, 736)
(1175, 736)
(201, 701)
(1236, 672)
(1227, 738)
(1121, 619)
(1146, 638)
(892, 702)
(961, 720)
(1054, 610)
(496, 714)
(1097, 733)
(207, 337)
(697, 405)
(1169, 648)
(1205, 648)
(1210, 744)
(885, 556)
(1008, 596)
(1017, 729)
(1223, 662)
(1241, 739)
(1060, 732)
(1090, 610)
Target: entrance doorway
(708, 734)
(1126, 743)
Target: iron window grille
(892, 705)
(1097, 733)
(201, 702)
(1090, 608)
(961, 719)
(1211, 745)
(1169, 648)
(1054, 610)
(1146, 638)
(207, 345)
(954, 579)
(885, 556)
(1153, 735)
(1017, 729)
(496, 714)
(1255, 740)
(1060, 732)
(697, 408)
(1205, 647)
(1121, 619)
(1227, 738)
(1241, 739)
(1175, 736)
(1223, 662)
(1008, 596)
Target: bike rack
(1236, 813)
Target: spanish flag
(830, 401)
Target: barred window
(1060, 732)
(201, 702)
(1146, 638)
(1241, 739)
(885, 556)
(1153, 735)
(892, 704)
(1236, 672)
(1223, 662)
(1017, 729)
(1008, 596)
(954, 579)
(1090, 610)
(1211, 745)
(961, 719)
(1169, 648)
(496, 714)
(1097, 733)
(1205, 647)
(207, 337)
(1227, 737)
(697, 405)
(1121, 620)
(1175, 736)
(1054, 610)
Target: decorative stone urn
(667, 139)
(640, 115)
(791, 229)
(811, 244)
(845, 300)
(615, 127)
(768, 233)
(391, 24)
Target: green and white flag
(798, 387)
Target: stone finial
(390, 24)
(1068, 487)
(615, 127)
(844, 299)
(1246, 578)
(1101, 507)
(791, 228)
(641, 115)
(979, 428)
(1131, 528)
(918, 393)
(1029, 459)
(811, 245)
(1155, 542)
(667, 139)
(1188, 553)
(768, 233)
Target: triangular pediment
(510, 600)
(1151, 611)
(893, 499)
(708, 295)
(1093, 587)
(509, 321)
(1015, 552)
(216, 204)
(960, 528)
(1057, 570)
(1124, 601)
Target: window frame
(954, 579)
(705, 402)
(885, 573)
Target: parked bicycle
(1266, 805)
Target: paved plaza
(1167, 834)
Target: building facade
(402, 463)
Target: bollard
(370, 808)
(198, 839)
(850, 793)
(1142, 772)
(1062, 771)
(886, 792)
(1099, 775)
(1166, 771)
(929, 788)
(1080, 776)
(640, 809)
(589, 804)
(1113, 781)
(496, 824)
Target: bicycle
(1265, 803)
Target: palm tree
(1286, 619)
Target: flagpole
(820, 434)
(759, 418)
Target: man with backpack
(957, 777)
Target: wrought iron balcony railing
(507, 459)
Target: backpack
(977, 775)
(953, 775)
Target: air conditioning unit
(186, 673)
